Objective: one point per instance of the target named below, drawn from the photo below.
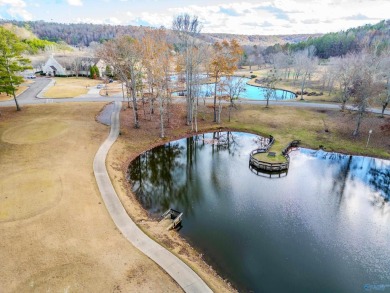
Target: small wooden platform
(172, 219)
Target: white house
(70, 65)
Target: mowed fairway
(56, 235)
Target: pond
(249, 91)
(325, 227)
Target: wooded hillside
(82, 34)
(374, 37)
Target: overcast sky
(227, 16)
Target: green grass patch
(264, 157)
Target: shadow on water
(325, 227)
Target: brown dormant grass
(56, 234)
(70, 87)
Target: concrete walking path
(177, 269)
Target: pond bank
(252, 119)
(199, 176)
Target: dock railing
(272, 167)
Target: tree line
(374, 37)
(76, 34)
(83, 34)
(358, 79)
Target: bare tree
(305, 65)
(156, 59)
(201, 60)
(384, 73)
(235, 86)
(259, 60)
(75, 64)
(268, 88)
(251, 60)
(363, 86)
(346, 69)
(186, 28)
(328, 76)
(123, 54)
(282, 64)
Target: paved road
(29, 95)
(178, 270)
(33, 90)
(32, 96)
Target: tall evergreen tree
(11, 63)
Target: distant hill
(24, 33)
(375, 37)
(259, 40)
(76, 34)
(327, 45)
(82, 34)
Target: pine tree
(11, 63)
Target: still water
(325, 227)
(248, 92)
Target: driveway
(30, 96)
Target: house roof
(66, 61)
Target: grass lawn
(112, 89)
(56, 234)
(314, 127)
(70, 87)
(278, 158)
(313, 85)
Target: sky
(228, 16)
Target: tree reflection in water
(371, 171)
(165, 177)
(330, 210)
(153, 173)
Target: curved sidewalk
(177, 269)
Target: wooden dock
(259, 167)
(172, 219)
